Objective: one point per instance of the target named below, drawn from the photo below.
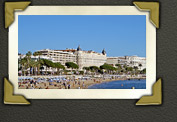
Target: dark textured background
(102, 110)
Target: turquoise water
(125, 84)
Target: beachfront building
(112, 61)
(80, 57)
(89, 58)
(35, 58)
(129, 61)
(61, 56)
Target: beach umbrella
(50, 80)
(38, 80)
(19, 78)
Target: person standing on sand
(65, 84)
(83, 85)
(69, 86)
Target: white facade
(81, 58)
(130, 61)
(140, 62)
(90, 58)
(59, 55)
(36, 57)
(112, 61)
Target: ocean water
(121, 84)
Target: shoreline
(100, 82)
(106, 81)
(72, 84)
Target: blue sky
(120, 35)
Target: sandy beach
(70, 84)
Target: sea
(121, 84)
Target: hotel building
(130, 61)
(78, 56)
(88, 58)
(61, 56)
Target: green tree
(28, 56)
(81, 72)
(33, 65)
(71, 65)
(39, 61)
(48, 64)
(119, 68)
(37, 54)
(135, 69)
(87, 69)
(143, 71)
(129, 69)
(23, 63)
(125, 66)
(39, 64)
(58, 66)
(94, 69)
(140, 65)
(108, 67)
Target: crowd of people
(62, 82)
(51, 83)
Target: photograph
(88, 60)
(82, 52)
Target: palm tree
(37, 65)
(23, 63)
(28, 56)
(39, 61)
(33, 65)
(37, 54)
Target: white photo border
(83, 93)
